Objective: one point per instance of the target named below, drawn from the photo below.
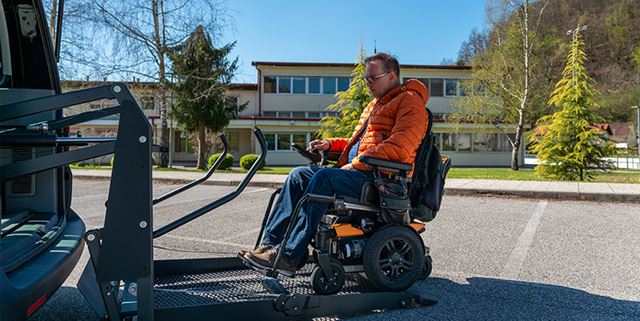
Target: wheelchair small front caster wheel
(428, 268)
(325, 285)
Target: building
(289, 99)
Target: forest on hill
(612, 39)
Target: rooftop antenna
(375, 49)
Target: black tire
(393, 258)
(428, 268)
(326, 286)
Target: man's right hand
(319, 145)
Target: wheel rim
(396, 259)
(329, 283)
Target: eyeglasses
(372, 79)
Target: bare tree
(500, 89)
(131, 40)
(473, 46)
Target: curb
(598, 197)
(635, 198)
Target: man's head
(382, 74)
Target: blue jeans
(308, 180)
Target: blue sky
(417, 32)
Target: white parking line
(207, 198)
(198, 239)
(519, 253)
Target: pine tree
(350, 104)
(203, 73)
(571, 147)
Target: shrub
(226, 163)
(247, 161)
(113, 158)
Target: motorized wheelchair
(378, 233)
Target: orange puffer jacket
(396, 125)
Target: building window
(284, 141)
(424, 81)
(284, 85)
(314, 114)
(284, 114)
(343, 83)
(449, 142)
(271, 141)
(439, 116)
(233, 138)
(299, 139)
(505, 144)
(464, 142)
(182, 143)
(314, 85)
(437, 87)
(451, 87)
(146, 103)
(269, 114)
(299, 85)
(297, 114)
(485, 142)
(329, 85)
(270, 85)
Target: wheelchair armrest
(386, 165)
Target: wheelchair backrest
(427, 183)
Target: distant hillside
(613, 48)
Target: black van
(41, 240)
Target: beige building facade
(289, 99)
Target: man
(391, 127)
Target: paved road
(494, 258)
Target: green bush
(113, 158)
(226, 163)
(247, 161)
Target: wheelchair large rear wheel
(393, 258)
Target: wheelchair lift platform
(233, 291)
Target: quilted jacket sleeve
(406, 134)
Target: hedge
(247, 161)
(226, 163)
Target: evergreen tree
(571, 147)
(203, 73)
(350, 104)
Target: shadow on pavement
(483, 298)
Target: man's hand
(348, 167)
(319, 145)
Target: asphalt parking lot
(494, 258)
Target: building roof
(350, 65)
(621, 129)
(93, 83)
(243, 86)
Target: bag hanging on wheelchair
(394, 200)
(428, 179)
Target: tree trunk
(52, 21)
(162, 89)
(202, 148)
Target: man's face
(378, 80)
